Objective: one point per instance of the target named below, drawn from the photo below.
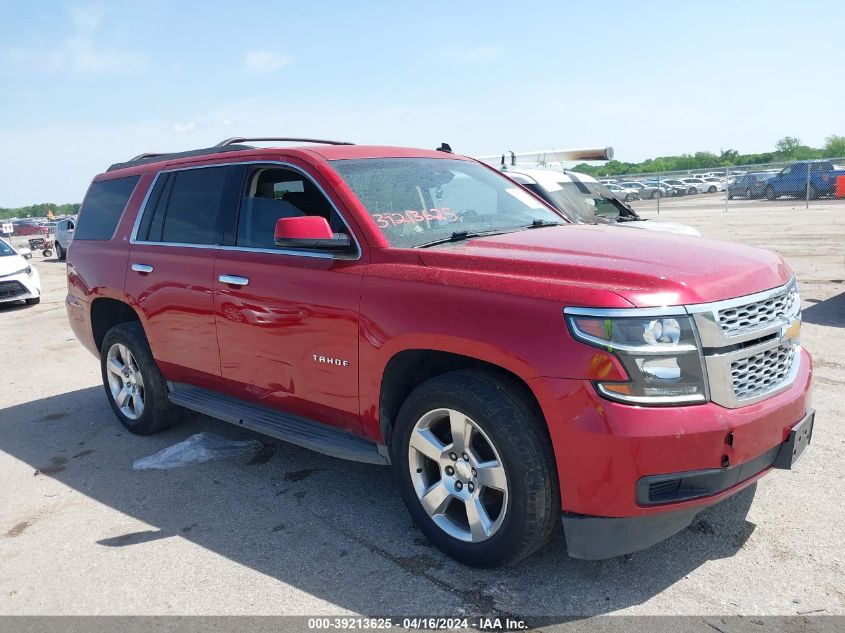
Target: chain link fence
(811, 182)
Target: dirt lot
(298, 532)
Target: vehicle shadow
(828, 312)
(334, 529)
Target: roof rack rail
(145, 155)
(241, 139)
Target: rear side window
(102, 208)
(184, 206)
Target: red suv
(417, 308)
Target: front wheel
(812, 192)
(692, 191)
(655, 194)
(60, 252)
(135, 388)
(476, 469)
(770, 193)
(711, 189)
(748, 195)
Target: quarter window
(103, 205)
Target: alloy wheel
(126, 383)
(458, 475)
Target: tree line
(787, 149)
(39, 210)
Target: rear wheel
(476, 469)
(711, 189)
(770, 193)
(691, 191)
(655, 194)
(136, 390)
(812, 192)
(748, 194)
(60, 252)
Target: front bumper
(596, 538)
(603, 448)
(19, 287)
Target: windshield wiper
(460, 236)
(536, 224)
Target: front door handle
(144, 269)
(233, 280)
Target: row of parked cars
(654, 188)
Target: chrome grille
(758, 314)
(762, 372)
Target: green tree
(787, 145)
(834, 146)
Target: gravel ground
(294, 532)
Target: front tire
(60, 252)
(770, 193)
(748, 195)
(476, 469)
(655, 194)
(135, 388)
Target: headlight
(660, 354)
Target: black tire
(692, 191)
(33, 302)
(158, 412)
(47, 252)
(711, 189)
(770, 193)
(748, 194)
(518, 432)
(60, 252)
(812, 192)
(655, 194)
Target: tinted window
(183, 207)
(102, 208)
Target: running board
(283, 426)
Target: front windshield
(5, 249)
(416, 201)
(589, 202)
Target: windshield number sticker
(385, 220)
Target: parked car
(646, 190)
(679, 188)
(19, 280)
(585, 200)
(792, 180)
(695, 185)
(64, 234)
(29, 227)
(423, 310)
(714, 184)
(623, 192)
(751, 185)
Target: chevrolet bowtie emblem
(791, 330)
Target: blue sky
(85, 84)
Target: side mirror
(309, 232)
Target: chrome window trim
(248, 249)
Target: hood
(11, 264)
(657, 225)
(646, 268)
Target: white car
(624, 192)
(19, 280)
(63, 235)
(695, 185)
(584, 200)
(714, 183)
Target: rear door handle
(145, 269)
(233, 280)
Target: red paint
(498, 299)
(305, 228)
